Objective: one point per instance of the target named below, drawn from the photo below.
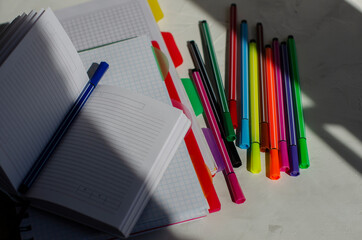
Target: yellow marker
(255, 164)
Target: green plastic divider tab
(193, 96)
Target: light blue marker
(244, 135)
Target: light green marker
(298, 107)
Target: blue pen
(244, 136)
(49, 148)
(288, 96)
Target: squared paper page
(112, 157)
(133, 66)
(40, 81)
(101, 22)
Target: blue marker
(244, 136)
(62, 129)
(288, 95)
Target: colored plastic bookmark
(298, 107)
(274, 170)
(288, 97)
(226, 118)
(255, 164)
(283, 147)
(232, 66)
(264, 120)
(244, 136)
(232, 182)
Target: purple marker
(283, 147)
(288, 97)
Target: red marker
(274, 170)
(264, 121)
(232, 66)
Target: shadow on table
(327, 35)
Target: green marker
(298, 107)
(226, 117)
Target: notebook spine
(25, 229)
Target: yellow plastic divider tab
(156, 10)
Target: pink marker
(232, 182)
(283, 147)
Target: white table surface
(325, 201)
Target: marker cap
(274, 169)
(229, 129)
(264, 136)
(234, 187)
(293, 161)
(233, 113)
(233, 154)
(255, 163)
(244, 141)
(303, 153)
(283, 156)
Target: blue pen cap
(244, 139)
(293, 161)
(102, 68)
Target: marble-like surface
(325, 201)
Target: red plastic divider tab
(202, 171)
(172, 48)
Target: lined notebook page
(101, 22)
(117, 144)
(40, 81)
(133, 66)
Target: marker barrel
(264, 120)
(298, 107)
(274, 169)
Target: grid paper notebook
(135, 68)
(178, 196)
(96, 23)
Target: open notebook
(178, 197)
(107, 165)
(100, 22)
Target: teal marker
(226, 117)
(298, 107)
(244, 137)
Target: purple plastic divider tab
(210, 139)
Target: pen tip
(203, 21)
(275, 39)
(259, 24)
(267, 46)
(233, 5)
(252, 41)
(244, 21)
(290, 36)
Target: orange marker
(274, 170)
